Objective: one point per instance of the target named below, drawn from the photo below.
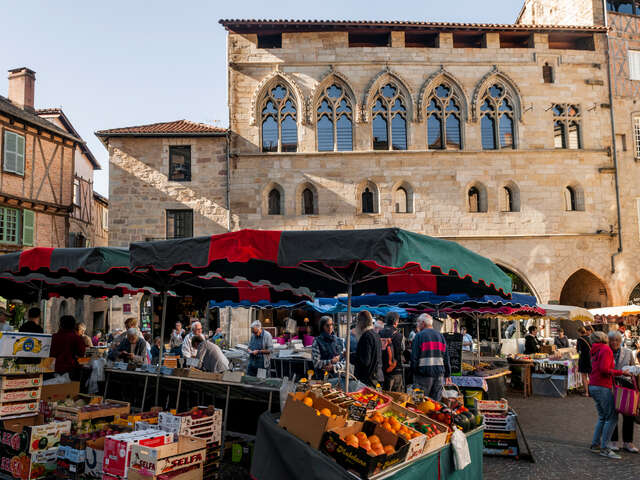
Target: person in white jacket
(187, 349)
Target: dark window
(335, 120)
(569, 41)
(516, 40)
(420, 40)
(468, 40)
(180, 164)
(389, 119)
(275, 199)
(623, 6)
(508, 199)
(547, 73)
(370, 39)
(272, 40)
(279, 121)
(497, 118)
(443, 118)
(308, 203)
(179, 223)
(571, 203)
(367, 201)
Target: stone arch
(432, 82)
(300, 199)
(496, 75)
(266, 192)
(330, 77)
(584, 289)
(397, 197)
(271, 80)
(519, 281)
(573, 195)
(386, 75)
(363, 190)
(477, 198)
(634, 295)
(509, 196)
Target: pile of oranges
(371, 444)
(308, 401)
(393, 425)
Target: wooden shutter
(20, 155)
(28, 227)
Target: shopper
(155, 351)
(600, 388)
(531, 342)
(210, 355)
(5, 326)
(67, 347)
(584, 359)
(622, 357)
(81, 330)
(467, 340)
(97, 336)
(392, 367)
(32, 325)
(561, 341)
(187, 349)
(367, 358)
(175, 342)
(260, 348)
(327, 350)
(430, 359)
(413, 333)
(132, 349)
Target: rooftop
(283, 25)
(177, 128)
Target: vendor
(531, 342)
(187, 350)
(467, 340)
(327, 350)
(260, 348)
(561, 341)
(132, 349)
(210, 355)
(67, 347)
(32, 325)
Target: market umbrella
(328, 263)
(615, 313)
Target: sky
(122, 63)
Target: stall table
(493, 385)
(562, 377)
(279, 455)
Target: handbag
(626, 400)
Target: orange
(326, 412)
(389, 450)
(308, 402)
(361, 436)
(353, 443)
(365, 444)
(374, 439)
(351, 438)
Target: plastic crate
(500, 422)
(492, 405)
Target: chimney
(22, 82)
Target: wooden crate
(77, 414)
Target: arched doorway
(518, 284)
(634, 296)
(584, 289)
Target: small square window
(272, 40)
(180, 164)
(13, 153)
(179, 223)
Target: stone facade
(561, 12)
(140, 192)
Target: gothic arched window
(497, 118)
(275, 202)
(443, 119)
(279, 121)
(335, 120)
(389, 119)
(309, 206)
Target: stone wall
(140, 192)
(562, 12)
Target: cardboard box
(189, 473)
(303, 421)
(15, 383)
(59, 391)
(9, 366)
(25, 345)
(357, 459)
(117, 450)
(207, 427)
(94, 458)
(44, 437)
(9, 409)
(24, 466)
(416, 445)
(19, 395)
(187, 451)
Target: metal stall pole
(161, 356)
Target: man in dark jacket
(430, 359)
(32, 325)
(133, 348)
(531, 342)
(393, 381)
(66, 347)
(367, 359)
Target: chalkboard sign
(372, 404)
(454, 349)
(357, 412)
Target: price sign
(372, 404)
(454, 349)
(357, 412)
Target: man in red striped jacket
(429, 358)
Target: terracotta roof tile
(178, 127)
(232, 24)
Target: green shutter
(20, 156)
(28, 227)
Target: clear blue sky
(120, 63)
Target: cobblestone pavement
(559, 432)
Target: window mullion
(335, 127)
(389, 121)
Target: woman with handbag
(623, 357)
(584, 361)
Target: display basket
(367, 390)
(498, 406)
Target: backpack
(388, 359)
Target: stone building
(495, 136)
(623, 53)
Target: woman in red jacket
(600, 389)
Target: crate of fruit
(200, 422)
(501, 405)
(150, 417)
(19, 408)
(86, 407)
(20, 382)
(19, 395)
(372, 399)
